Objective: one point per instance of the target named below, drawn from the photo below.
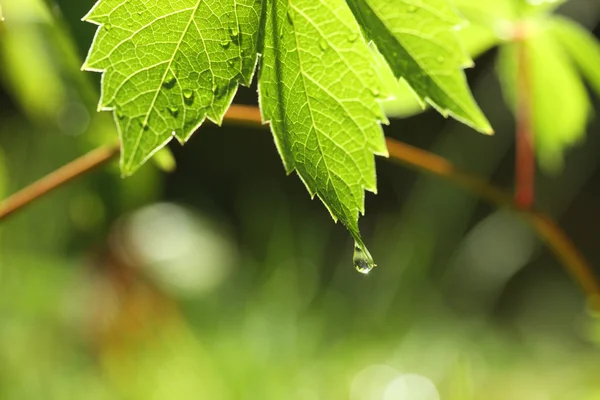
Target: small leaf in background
(37, 87)
(164, 160)
(477, 39)
(169, 65)
(558, 124)
(527, 8)
(320, 92)
(487, 13)
(420, 43)
(582, 47)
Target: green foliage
(169, 65)
(581, 46)
(558, 53)
(420, 43)
(325, 129)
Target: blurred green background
(221, 279)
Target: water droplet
(375, 92)
(412, 9)
(231, 61)
(440, 59)
(352, 37)
(143, 123)
(225, 43)
(107, 27)
(362, 261)
(290, 15)
(323, 45)
(234, 33)
(174, 111)
(188, 96)
(170, 80)
(120, 114)
(219, 90)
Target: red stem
(525, 135)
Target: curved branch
(58, 178)
(422, 160)
(548, 230)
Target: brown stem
(548, 230)
(56, 179)
(525, 140)
(422, 160)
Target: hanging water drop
(362, 261)
(188, 96)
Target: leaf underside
(325, 129)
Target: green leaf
(419, 41)
(319, 90)
(553, 78)
(582, 47)
(167, 65)
(475, 38)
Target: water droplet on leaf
(412, 9)
(170, 80)
(375, 92)
(323, 45)
(188, 96)
(361, 260)
(290, 15)
(352, 37)
(440, 59)
(225, 43)
(174, 111)
(107, 27)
